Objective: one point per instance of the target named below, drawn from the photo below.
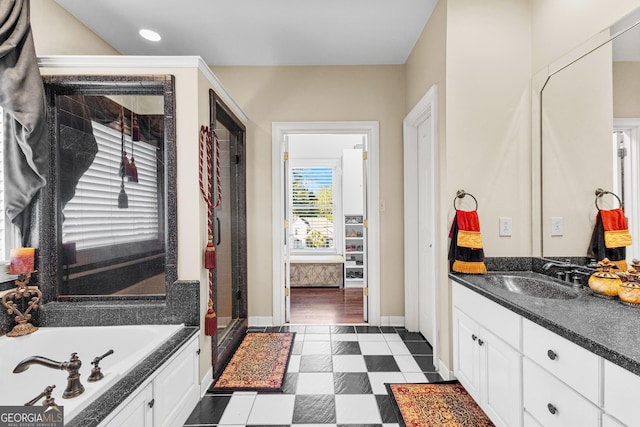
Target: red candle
(22, 260)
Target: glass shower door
(227, 302)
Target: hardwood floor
(326, 305)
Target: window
(313, 208)
(92, 218)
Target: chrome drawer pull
(552, 354)
(552, 408)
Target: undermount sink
(530, 286)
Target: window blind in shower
(92, 218)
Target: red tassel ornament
(210, 255)
(210, 321)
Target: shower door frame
(223, 349)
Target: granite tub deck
(604, 327)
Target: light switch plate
(557, 227)
(506, 226)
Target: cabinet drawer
(553, 403)
(574, 365)
(621, 393)
(500, 321)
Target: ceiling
(261, 32)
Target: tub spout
(36, 360)
(74, 387)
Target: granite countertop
(605, 327)
(116, 394)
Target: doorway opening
(324, 185)
(326, 237)
(626, 176)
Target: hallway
(336, 377)
(326, 306)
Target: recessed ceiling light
(150, 35)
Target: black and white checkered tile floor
(336, 377)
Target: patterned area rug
(259, 363)
(445, 404)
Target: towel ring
(459, 195)
(600, 192)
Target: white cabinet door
(489, 369)
(137, 412)
(501, 373)
(176, 388)
(466, 353)
(621, 393)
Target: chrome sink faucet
(74, 386)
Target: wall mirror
(110, 198)
(590, 114)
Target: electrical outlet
(506, 226)
(557, 228)
(383, 205)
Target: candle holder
(22, 290)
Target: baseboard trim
(206, 382)
(444, 371)
(260, 321)
(396, 321)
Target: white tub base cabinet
(167, 397)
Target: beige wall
(332, 93)
(425, 67)
(484, 143)
(561, 25)
(626, 90)
(488, 117)
(57, 32)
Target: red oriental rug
(258, 364)
(445, 404)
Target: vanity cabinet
(552, 403)
(487, 366)
(561, 380)
(570, 363)
(620, 396)
(498, 354)
(167, 397)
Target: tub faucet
(74, 387)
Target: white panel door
(426, 231)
